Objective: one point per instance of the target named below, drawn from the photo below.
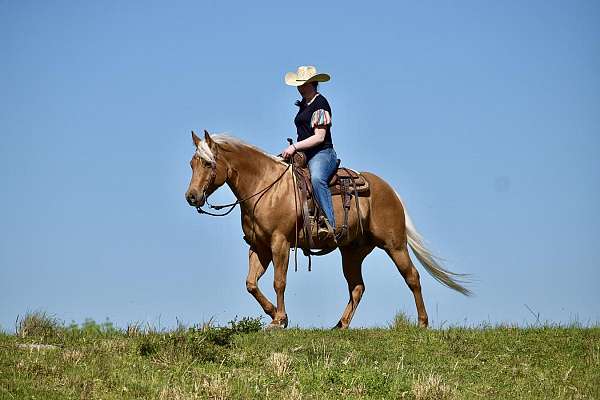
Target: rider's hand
(288, 152)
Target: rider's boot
(326, 232)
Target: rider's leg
(322, 166)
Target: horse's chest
(254, 231)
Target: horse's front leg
(257, 265)
(280, 250)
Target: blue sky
(483, 115)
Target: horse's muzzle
(194, 200)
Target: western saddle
(344, 182)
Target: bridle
(211, 181)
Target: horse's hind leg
(352, 258)
(257, 265)
(411, 276)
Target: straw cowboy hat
(305, 73)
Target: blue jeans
(322, 166)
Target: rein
(211, 180)
(213, 174)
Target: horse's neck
(252, 171)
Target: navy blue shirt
(306, 120)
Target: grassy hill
(94, 361)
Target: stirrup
(325, 231)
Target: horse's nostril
(191, 199)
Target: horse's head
(207, 172)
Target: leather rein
(211, 180)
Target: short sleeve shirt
(315, 114)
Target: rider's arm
(307, 143)
(319, 121)
(313, 140)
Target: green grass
(98, 361)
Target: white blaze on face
(204, 152)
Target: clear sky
(485, 116)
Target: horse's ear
(196, 139)
(207, 137)
(211, 143)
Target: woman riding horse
(313, 126)
(262, 185)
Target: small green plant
(91, 327)
(38, 324)
(148, 347)
(402, 321)
(134, 329)
(246, 325)
(202, 343)
(218, 335)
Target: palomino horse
(263, 185)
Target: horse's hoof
(338, 326)
(282, 324)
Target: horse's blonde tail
(431, 262)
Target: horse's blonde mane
(204, 151)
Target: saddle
(345, 182)
(341, 175)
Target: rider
(313, 126)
